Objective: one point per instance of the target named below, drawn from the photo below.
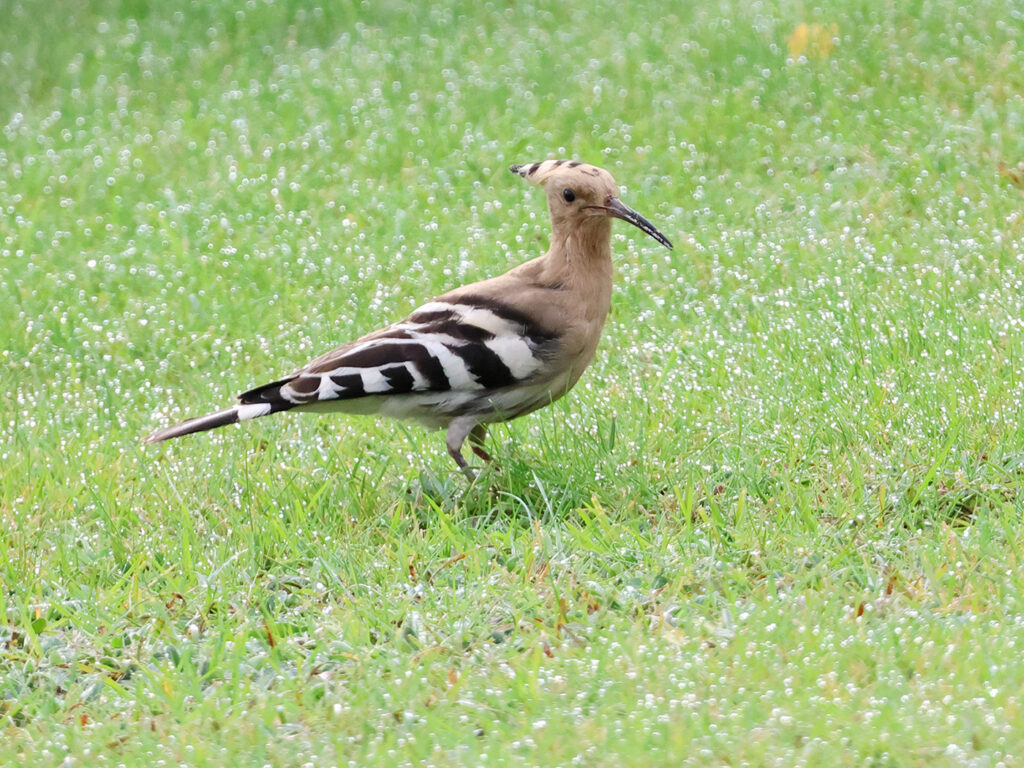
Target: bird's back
(471, 351)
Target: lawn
(778, 522)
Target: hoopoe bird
(483, 353)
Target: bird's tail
(198, 424)
(254, 403)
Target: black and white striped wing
(473, 346)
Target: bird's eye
(568, 195)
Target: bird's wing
(462, 343)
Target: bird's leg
(458, 431)
(476, 441)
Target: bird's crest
(539, 173)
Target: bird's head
(579, 194)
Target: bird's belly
(508, 404)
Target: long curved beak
(615, 207)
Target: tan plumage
(486, 352)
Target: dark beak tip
(620, 210)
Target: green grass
(777, 523)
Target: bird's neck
(580, 259)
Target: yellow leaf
(816, 41)
(798, 40)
